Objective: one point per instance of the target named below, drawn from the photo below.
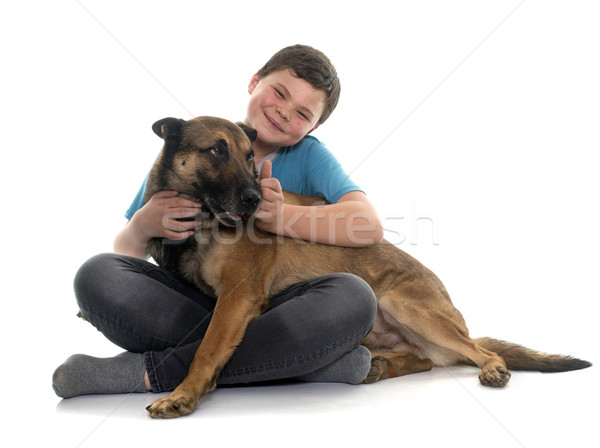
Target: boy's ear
(168, 127)
(313, 129)
(253, 83)
(250, 132)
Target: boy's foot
(85, 375)
(351, 368)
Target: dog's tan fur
(417, 326)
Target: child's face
(282, 108)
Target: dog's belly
(385, 335)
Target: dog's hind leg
(393, 365)
(428, 312)
(391, 353)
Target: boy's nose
(283, 113)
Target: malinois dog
(210, 160)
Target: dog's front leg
(233, 313)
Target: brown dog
(417, 327)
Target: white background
(477, 118)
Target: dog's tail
(518, 357)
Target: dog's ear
(250, 132)
(168, 127)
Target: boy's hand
(159, 217)
(270, 212)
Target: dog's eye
(219, 150)
(250, 156)
(216, 151)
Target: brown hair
(311, 65)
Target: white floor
(473, 127)
(443, 407)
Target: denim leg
(306, 327)
(139, 306)
(145, 309)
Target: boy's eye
(279, 94)
(304, 117)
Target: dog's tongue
(229, 219)
(234, 217)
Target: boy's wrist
(126, 244)
(136, 232)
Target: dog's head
(210, 160)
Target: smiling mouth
(273, 123)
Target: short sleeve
(325, 176)
(138, 201)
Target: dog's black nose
(251, 198)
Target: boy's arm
(352, 221)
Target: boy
(311, 332)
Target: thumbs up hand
(270, 212)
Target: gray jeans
(145, 309)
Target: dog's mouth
(227, 218)
(212, 208)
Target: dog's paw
(494, 376)
(378, 371)
(172, 406)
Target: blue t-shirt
(307, 167)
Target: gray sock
(85, 375)
(351, 368)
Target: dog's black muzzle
(246, 201)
